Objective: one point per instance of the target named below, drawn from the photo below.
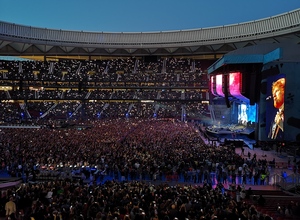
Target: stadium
(151, 125)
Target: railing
(24, 108)
(19, 126)
(7, 95)
(87, 95)
(285, 183)
(10, 183)
(49, 110)
(173, 177)
(76, 110)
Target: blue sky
(139, 15)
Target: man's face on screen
(278, 97)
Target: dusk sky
(139, 15)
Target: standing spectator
(249, 155)
(10, 208)
(243, 151)
(244, 178)
(284, 176)
(224, 176)
(256, 177)
(262, 178)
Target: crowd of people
(119, 168)
(128, 200)
(94, 153)
(129, 69)
(109, 88)
(69, 110)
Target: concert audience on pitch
(103, 172)
(128, 160)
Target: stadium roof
(20, 40)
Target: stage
(231, 129)
(236, 134)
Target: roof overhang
(228, 59)
(18, 40)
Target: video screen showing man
(276, 129)
(242, 114)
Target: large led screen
(219, 85)
(242, 114)
(247, 113)
(275, 107)
(213, 85)
(235, 84)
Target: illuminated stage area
(237, 122)
(230, 129)
(257, 85)
(237, 134)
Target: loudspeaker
(253, 90)
(226, 90)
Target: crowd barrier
(173, 177)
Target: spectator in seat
(261, 200)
